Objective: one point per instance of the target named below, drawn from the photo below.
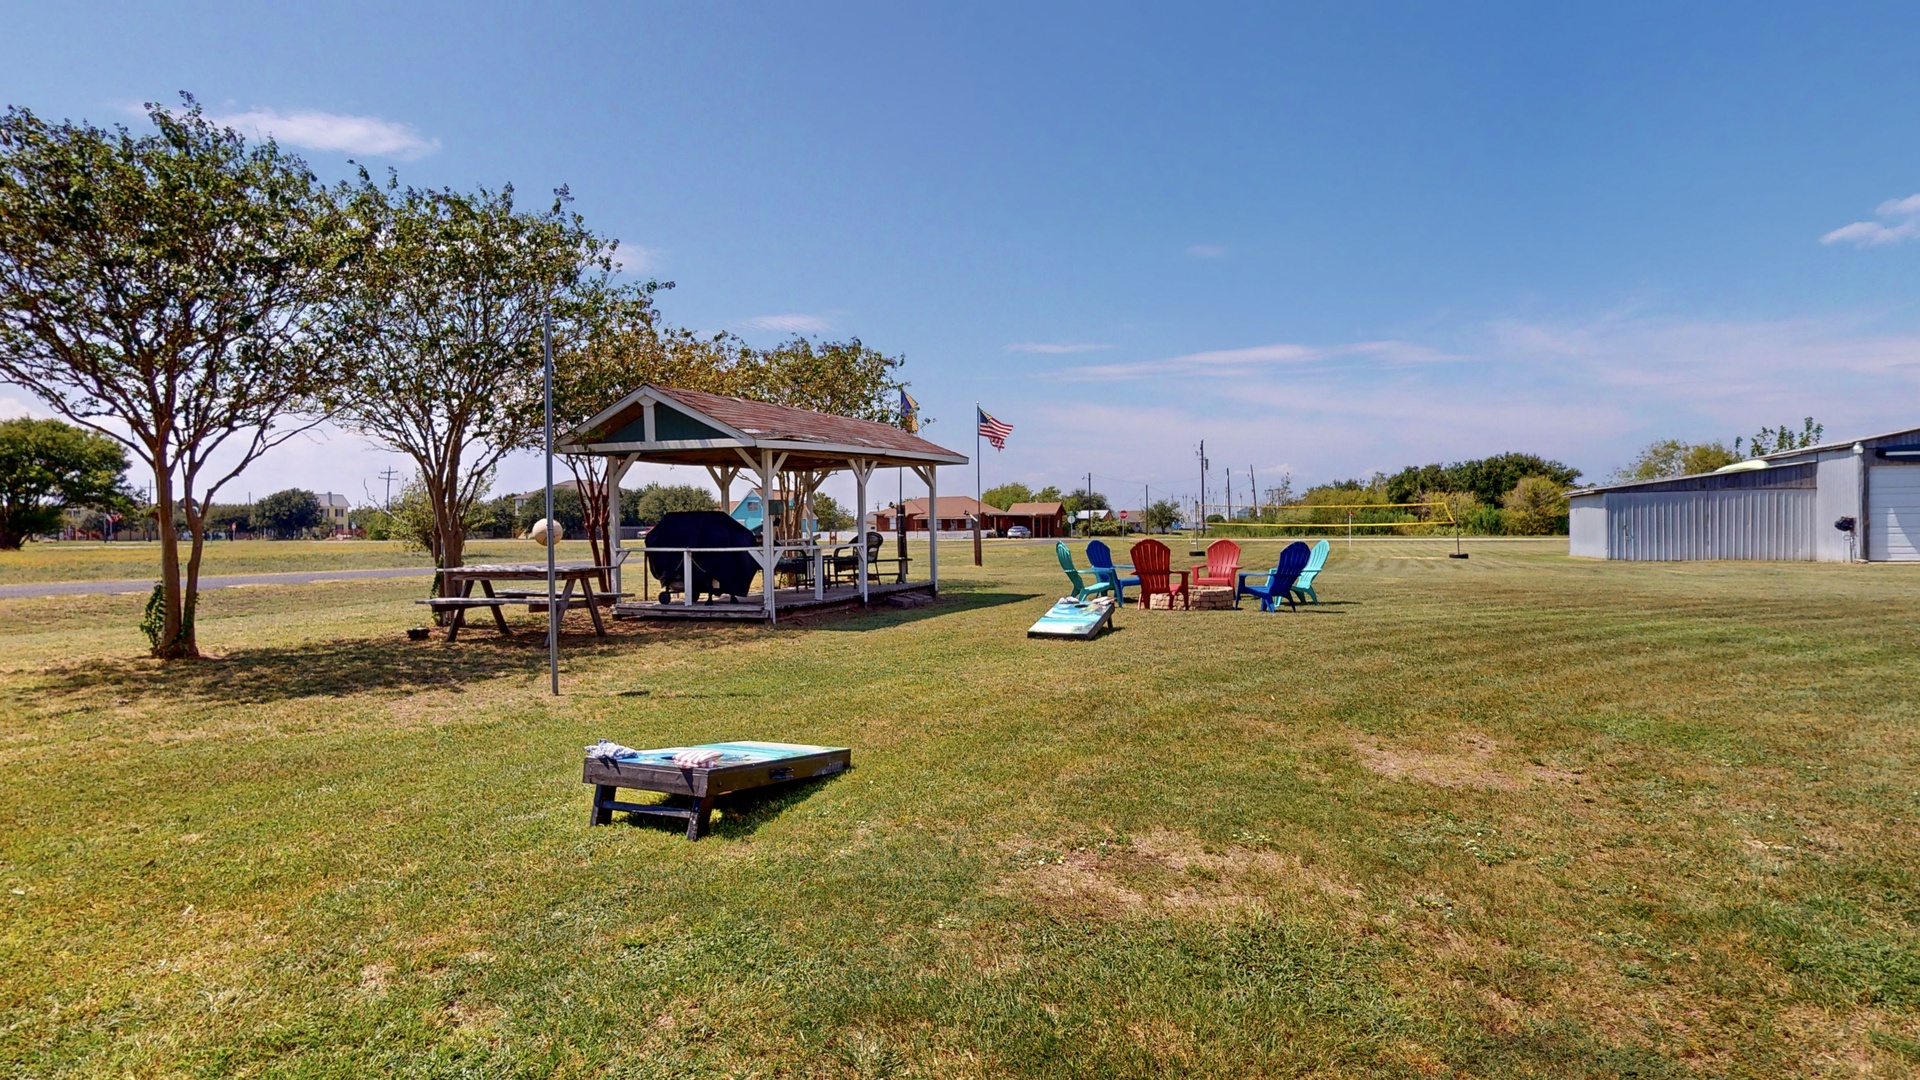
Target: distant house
(521, 500)
(334, 511)
(1044, 518)
(956, 513)
(751, 510)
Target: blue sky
(1328, 240)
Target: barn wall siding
(1587, 527)
(1746, 524)
(1840, 488)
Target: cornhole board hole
(1073, 619)
(742, 766)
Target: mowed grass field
(1518, 815)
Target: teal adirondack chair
(1303, 588)
(1081, 588)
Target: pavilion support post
(766, 531)
(616, 472)
(931, 475)
(723, 479)
(768, 468)
(861, 471)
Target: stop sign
(1123, 515)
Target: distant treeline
(1511, 494)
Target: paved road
(223, 581)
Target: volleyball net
(1295, 519)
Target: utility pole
(1253, 495)
(1089, 504)
(389, 476)
(1200, 527)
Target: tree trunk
(171, 645)
(190, 591)
(596, 498)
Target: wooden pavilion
(782, 448)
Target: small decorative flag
(996, 431)
(909, 412)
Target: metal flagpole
(553, 617)
(979, 507)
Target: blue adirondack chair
(1104, 568)
(1303, 588)
(1082, 589)
(1279, 583)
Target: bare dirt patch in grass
(1469, 762)
(1166, 872)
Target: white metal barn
(1839, 502)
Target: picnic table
(457, 584)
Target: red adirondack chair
(1153, 565)
(1223, 565)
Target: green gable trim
(672, 425)
(634, 430)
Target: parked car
(1019, 532)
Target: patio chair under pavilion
(728, 436)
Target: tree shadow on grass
(265, 675)
(354, 666)
(880, 615)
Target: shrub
(1537, 506)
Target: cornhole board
(742, 765)
(1073, 619)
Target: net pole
(553, 617)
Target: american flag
(996, 431)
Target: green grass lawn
(95, 561)
(1514, 816)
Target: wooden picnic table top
(515, 571)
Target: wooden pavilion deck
(753, 607)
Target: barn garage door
(1893, 513)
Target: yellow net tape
(1344, 515)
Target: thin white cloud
(635, 259)
(790, 324)
(1257, 358)
(1206, 251)
(1050, 349)
(13, 408)
(313, 129)
(1900, 220)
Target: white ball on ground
(545, 532)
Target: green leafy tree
(160, 289)
(495, 519)
(1163, 515)
(229, 517)
(1081, 499)
(843, 378)
(1050, 493)
(1783, 438)
(441, 333)
(1671, 457)
(290, 513)
(1489, 479)
(647, 505)
(567, 510)
(1006, 495)
(829, 514)
(47, 466)
(610, 340)
(1537, 506)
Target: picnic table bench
(458, 583)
